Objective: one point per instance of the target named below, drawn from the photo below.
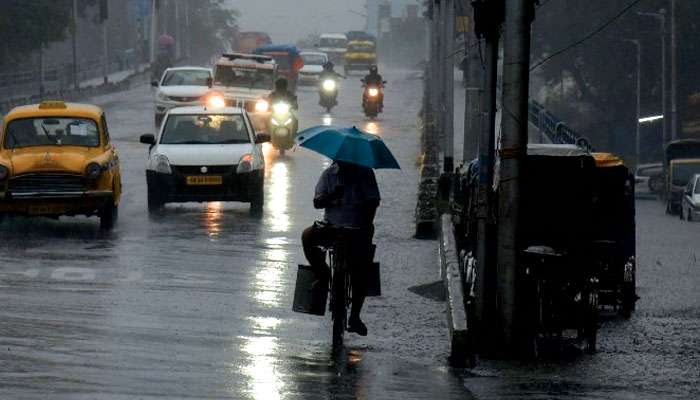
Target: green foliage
(213, 26)
(27, 25)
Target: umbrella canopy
(350, 145)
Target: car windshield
(314, 59)
(649, 171)
(697, 186)
(205, 129)
(250, 78)
(50, 131)
(361, 48)
(683, 172)
(333, 42)
(186, 78)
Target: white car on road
(690, 203)
(180, 87)
(313, 66)
(205, 154)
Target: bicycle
(340, 284)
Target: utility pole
(74, 45)
(674, 73)
(488, 18)
(638, 124)
(474, 91)
(154, 29)
(448, 65)
(104, 17)
(516, 70)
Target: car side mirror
(210, 82)
(154, 84)
(148, 138)
(262, 138)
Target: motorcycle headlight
(373, 92)
(93, 171)
(4, 173)
(329, 85)
(281, 108)
(163, 164)
(216, 101)
(245, 164)
(262, 106)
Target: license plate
(47, 210)
(204, 180)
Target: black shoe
(357, 326)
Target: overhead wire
(587, 37)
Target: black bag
(310, 292)
(374, 281)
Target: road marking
(74, 274)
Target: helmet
(328, 66)
(281, 84)
(373, 69)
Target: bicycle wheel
(338, 307)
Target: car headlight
(163, 164)
(281, 108)
(93, 171)
(262, 105)
(215, 101)
(245, 164)
(329, 85)
(4, 172)
(373, 92)
(161, 96)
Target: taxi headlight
(4, 173)
(93, 171)
(262, 105)
(281, 108)
(245, 164)
(373, 92)
(163, 164)
(329, 85)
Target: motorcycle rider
(329, 72)
(374, 79)
(282, 94)
(349, 195)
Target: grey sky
(289, 20)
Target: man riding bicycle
(349, 195)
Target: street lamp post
(661, 17)
(639, 95)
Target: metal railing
(555, 130)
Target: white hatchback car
(690, 203)
(313, 66)
(180, 87)
(205, 154)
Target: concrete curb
(451, 274)
(426, 207)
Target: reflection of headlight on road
(281, 108)
(373, 92)
(262, 106)
(329, 85)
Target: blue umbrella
(348, 144)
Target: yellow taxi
(57, 159)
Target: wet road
(196, 302)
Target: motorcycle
(284, 126)
(328, 92)
(373, 99)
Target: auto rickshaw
(614, 233)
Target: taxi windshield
(186, 78)
(205, 129)
(682, 173)
(50, 131)
(250, 78)
(333, 42)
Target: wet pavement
(195, 302)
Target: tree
(213, 28)
(29, 25)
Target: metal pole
(674, 73)
(105, 51)
(154, 30)
(638, 47)
(448, 65)
(474, 91)
(74, 45)
(516, 64)
(664, 83)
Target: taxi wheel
(257, 201)
(108, 215)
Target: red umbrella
(166, 40)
